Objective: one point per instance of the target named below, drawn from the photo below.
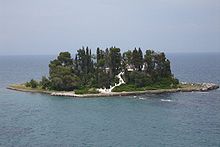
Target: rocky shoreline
(185, 87)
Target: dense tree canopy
(62, 75)
(99, 70)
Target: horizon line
(177, 52)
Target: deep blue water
(188, 119)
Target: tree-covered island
(110, 71)
(86, 71)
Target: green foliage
(85, 66)
(149, 59)
(45, 82)
(139, 79)
(165, 83)
(127, 88)
(127, 57)
(65, 81)
(115, 61)
(86, 91)
(85, 62)
(103, 79)
(135, 58)
(158, 66)
(62, 75)
(65, 59)
(140, 59)
(100, 70)
(32, 84)
(27, 84)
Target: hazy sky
(50, 26)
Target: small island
(110, 73)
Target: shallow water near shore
(178, 119)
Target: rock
(209, 86)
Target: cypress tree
(140, 59)
(98, 54)
(135, 58)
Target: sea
(190, 119)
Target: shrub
(32, 84)
(139, 79)
(127, 88)
(86, 91)
(45, 83)
(27, 84)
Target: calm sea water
(179, 119)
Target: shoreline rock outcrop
(209, 86)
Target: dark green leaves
(88, 71)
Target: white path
(121, 81)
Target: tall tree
(127, 57)
(149, 59)
(140, 59)
(115, 61)
(98, 56)
(167, 69)
(135, 58)
(65, 58)
(86, 66)
(62, 76)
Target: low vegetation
(163, 84)
(32, 84)
(86, 91)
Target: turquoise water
(179, 119)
